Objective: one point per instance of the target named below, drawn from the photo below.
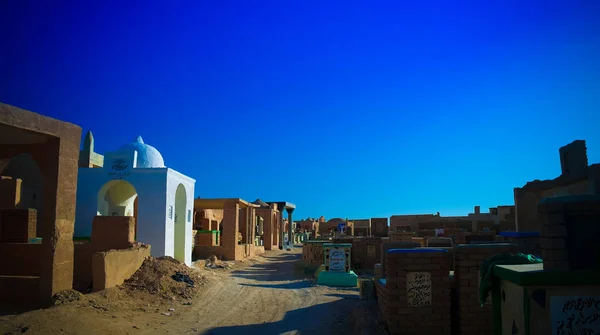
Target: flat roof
(219, 203)
(282, 204)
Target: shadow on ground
(280, 268)
(329, 318)
(295, 285)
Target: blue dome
(147, 155)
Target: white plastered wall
(174, 179)
(151, 187)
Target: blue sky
(348, 109)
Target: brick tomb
(414, 298)
(468, 258)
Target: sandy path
(268, 297)
(265, 296)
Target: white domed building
(134, 181)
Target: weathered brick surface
(379, 227)
(385, 246)
(568, 241)
(431, 316)
(312, 252)
(472, 318)
(366, 252)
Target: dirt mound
(66, 296)
(167, 277)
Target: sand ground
(265, 295)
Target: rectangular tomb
(415, 295)
(529, 300)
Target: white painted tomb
(133, 181)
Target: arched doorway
(30, 192)
(118, 198)
(180, 218)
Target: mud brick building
(577, 177)
(46, 150)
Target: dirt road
(264, 296)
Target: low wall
(414, 298)
(113, 232)
(203, 252)
(385, 246)
(208, 238)
(113, 267)
(82, 266)
(20, 259)
(366, 252)
(468, 258)
(312, 253)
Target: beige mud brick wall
(108, 233)
(205, 239)
(112, 268)
(416, 298)
(57, 160)
(229, 238)
(472, 318)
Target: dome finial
(139, 139)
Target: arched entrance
(118, 198)
(180, 218)
(30, 192)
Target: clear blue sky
(348, 109)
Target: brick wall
(366, 252)
(312, 252)
(17, 225)
(416, 296)
(385, 246)
(379, 227)
(468, 258)
(570, 229)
